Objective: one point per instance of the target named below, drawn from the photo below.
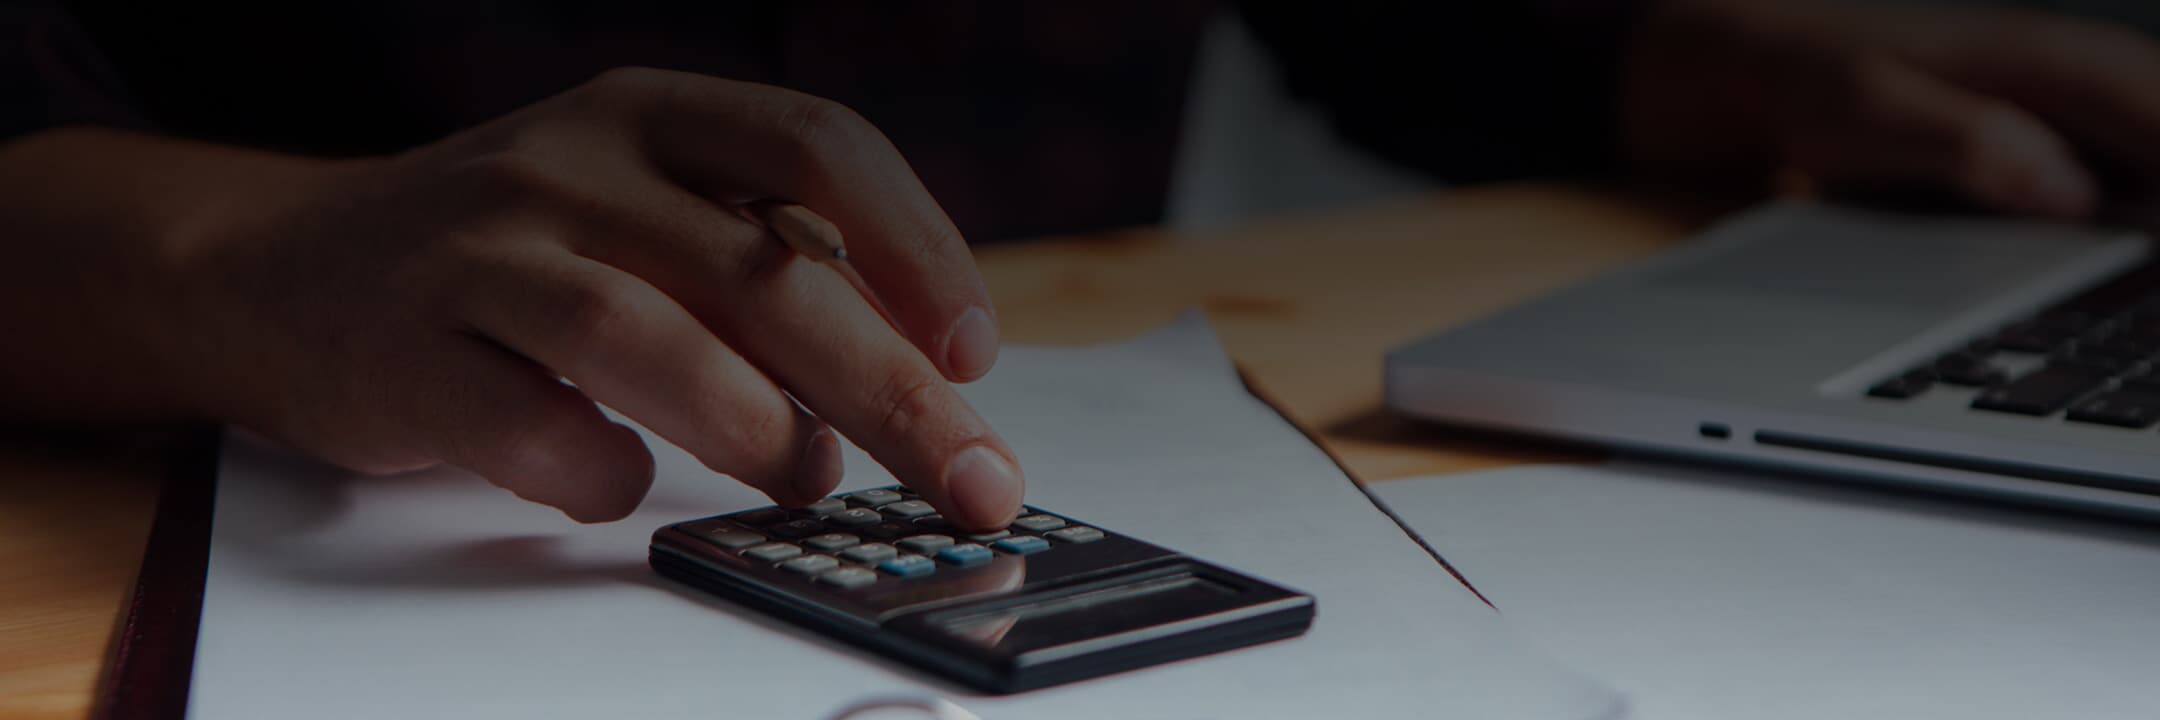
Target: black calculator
(1048, 600)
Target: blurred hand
(427, 308)
(2016, 111)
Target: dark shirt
(1023, 119)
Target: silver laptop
(1986, 356)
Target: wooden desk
(1306, 305)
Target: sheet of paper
(1710, 595)
(436, 595)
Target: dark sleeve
(1469, 90)
(51, 74)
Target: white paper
(1713, 596)
(437, 595)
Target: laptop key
(1968, 370)
(2028, 337)
(1906, 385)
(2041, 393)
(2148, 380)
(1901, 387)
(2092, 362)
(2122, 408)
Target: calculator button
(869, 554)
(810, 564)
(926, 544)
(1039, 523)
(760, 516)
(735, 539)
(1076, 534)
(908, 509)
(831, 541)
(873, 498)
(1022, 544)
(908, 566)
(888, 530)
(855, 517)
(964, 555)
(934, 522)
(826, 506)
(793, 529)
(847, 578)
(989, 536)
(772, 552)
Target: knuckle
(591, 313)
(627, 82)
(520, 178)
(904, 400)
(754, 441)
(816, 129)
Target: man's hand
(2016, 111)
(468, 302)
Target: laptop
(1984, 356)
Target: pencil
(812, 236)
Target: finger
(510, 422)
(808, 329)
(1911, 129)
(836, 355)
(2093, 80)
(633, 348)
(777, 143)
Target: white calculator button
(772, 552)
(829, 542)
(869, 554)
(1039, 523)
(736, 539)
(908, 510)
(1076, 534)
(926, 544)
(848, 578)
(874, 498)
(810, 564)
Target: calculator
(1047, 600)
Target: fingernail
(820, 469)
(973, 346)
(984, 488)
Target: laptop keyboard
(2094, 359)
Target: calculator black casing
(1068, 613)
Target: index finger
(774, 143)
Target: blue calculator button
(908, 566)
(965, 554)
(1022, 544)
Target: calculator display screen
(1051, 621)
